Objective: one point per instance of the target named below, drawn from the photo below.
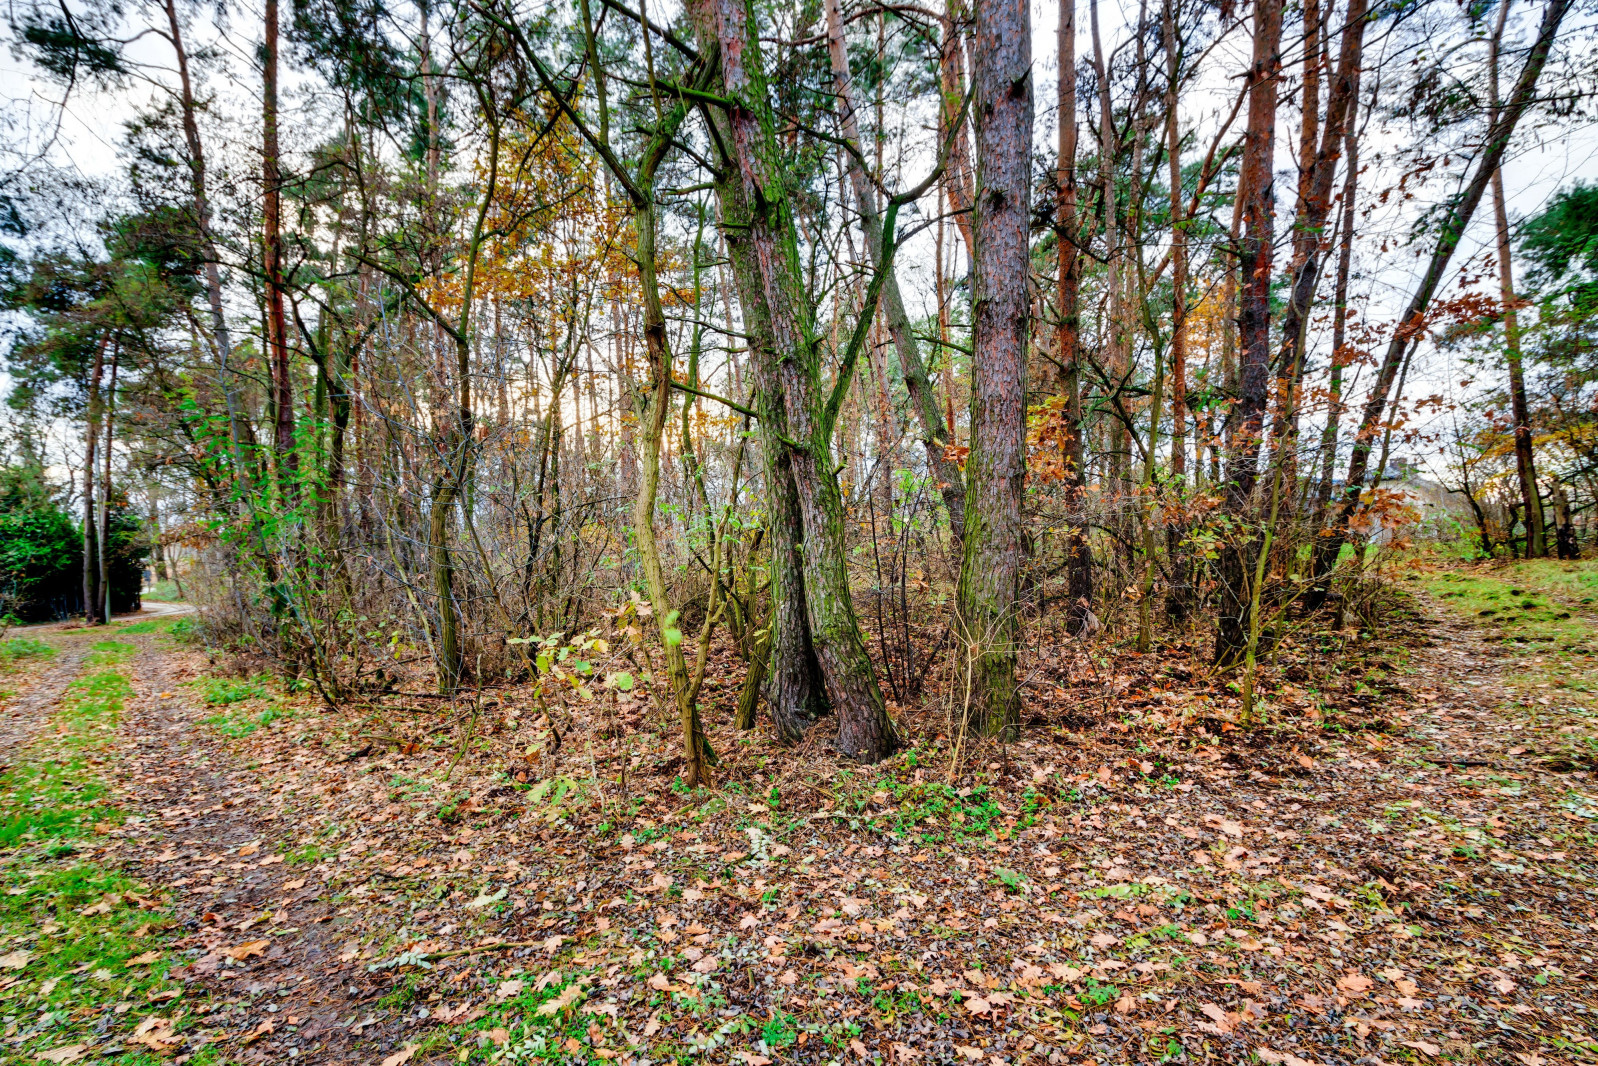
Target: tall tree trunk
(951, 82)
(996, 468)
(1255, 180)
(1179, 599)
(864, 730)
(91, 555)
(1525, 464)
(105, 489)
(1413, 321)
(272, 263)
(201, 206)
(1345, 260)
(1068, 233)
(1314, 207)
(923, 397)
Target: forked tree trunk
(996, 467)
(864, 730)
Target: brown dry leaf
(156, 1034)
(858, 1048)
(973, 1053)
(264, 1029)
(1354, 983)
(16, 960)
(1223, 1021)
(401, 1056)
(143, 960)
(749, 1058)
(64, 1053)
(246, 949)
(294, 885)
(1285, 1058)
(507, 989)
(1429, 1050)
(249, 849)
(977, 1005)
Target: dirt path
(25, 713)
(216, 839)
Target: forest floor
(203, 867)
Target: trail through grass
(82, 953)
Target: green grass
(87, 941)
(223, 691)
(61, 796)
(163, 592)
(18, 649)
(235, 724)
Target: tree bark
(91, 425)
(996, 467)
(272, 263)
(864, 730)
(1179, 599)
(1255, 180)
(1068, 232)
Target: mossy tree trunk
(996, 468)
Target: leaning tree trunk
(996, 467)
(1413, 321)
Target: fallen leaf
(1431, 1050)
(1286, 1059)
(1357, 984)
(507, 989)
(144, 959)
(499, 1037)
(16, 960)
(858, 1048)
(64, 1053)
(249, 849)
(245, 950)
(401, 1056)
(748, 921)
(264, 1029)
(156, 1034)
(751, 1059)
(1218, 1015)
(972, 1053)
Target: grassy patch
(239, 724)
(223, 691)
(60, 796)
(83, 944)
(18, 649)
